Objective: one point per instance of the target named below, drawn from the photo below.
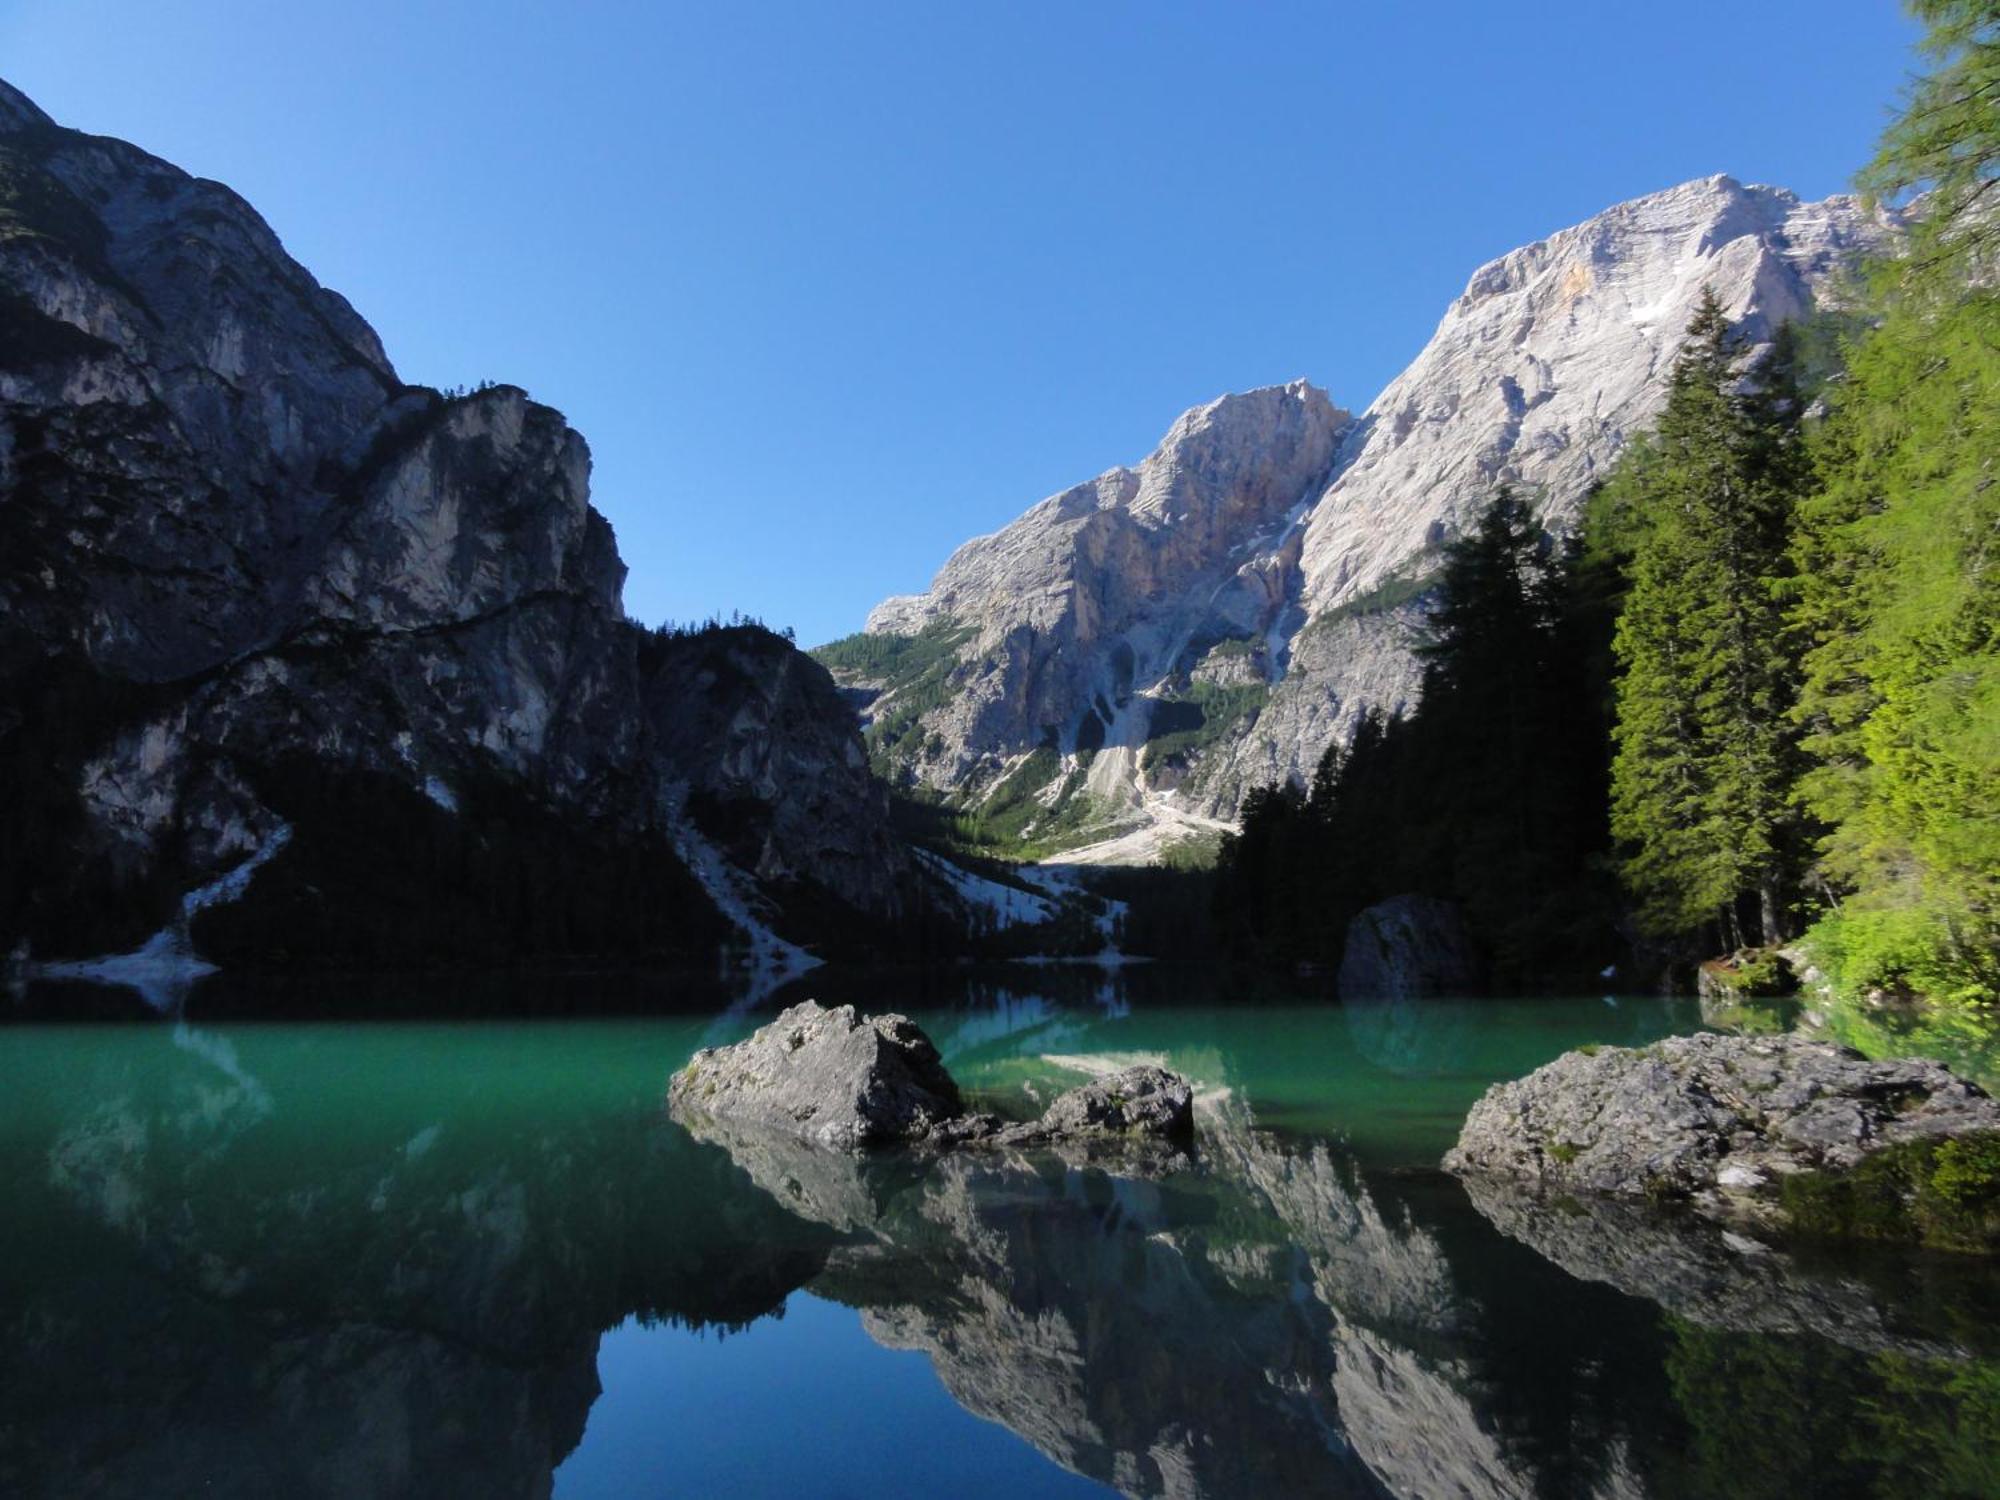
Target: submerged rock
(844, 1080)
(1778, 1130)
(1408, 946)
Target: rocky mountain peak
(1223, 470)
(1552, 358)
(1214, 618)
(18, 112)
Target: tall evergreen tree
(1489, 795)
(1503, 743)
(1702, 770)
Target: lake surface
(474, 1258)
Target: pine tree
(1704, 758)
(1946, 141)
(1504, 744)
(1489, 795)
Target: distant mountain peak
(1276, 529)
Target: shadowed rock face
(1408, 946)
(251, 582)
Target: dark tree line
(1491, 794)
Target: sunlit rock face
(1246, 527)
(248, 577)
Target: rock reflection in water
(220, 1282)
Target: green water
(474, 1258)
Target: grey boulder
(842, 1080)
(1718, 1121)
(1138, 1101)
(834, 1076)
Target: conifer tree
(1703, 765)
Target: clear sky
(832, 287)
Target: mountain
(300, 662)
(1129, 658)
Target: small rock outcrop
(847, 1081)
(1141, 1100)
(1778, 1130)
(834, 1076)
(1408, 946)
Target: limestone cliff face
(256, 594)
(1082, 605)
(1313, 577)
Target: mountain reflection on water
(379, 1260)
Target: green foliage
(1038, 809)
(1946, 141)
(1206, 713)
(1704, 759)
(1898, 608)
(894, 660)
(1899, 612)
(1751, 974)
(916, 673)
(1391, 593)
(1775, 1415)
(1965, 1037)
(377, 876)
(1942, 1194)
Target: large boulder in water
(834, 1076)
(1782, 1131)
(1409, 946)
(841, 1079)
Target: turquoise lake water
(434, 1258)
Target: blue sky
(832, 287)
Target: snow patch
(772, 962)
(164, 968)
(1009, 906)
